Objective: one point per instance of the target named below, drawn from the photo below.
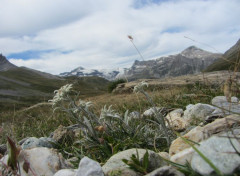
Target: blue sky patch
(142, 3)
(173, 30)
(32, 54)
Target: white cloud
(94, 33)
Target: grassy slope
(229, 61)
(22, 87)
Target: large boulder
(221, 152)
(179, 145)
(199, 134)
(224, 106)
(195, 114)
(116, 163)
(42, 160)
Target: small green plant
(112, 85)
(137, 165)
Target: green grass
(28, 87)
(41, 121)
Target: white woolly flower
(140, 86)
(61, 93)
(84, 104)
(108, 112)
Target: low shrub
(112, 85)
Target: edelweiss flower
(82, 104)
(108, 112)
(140, 86)
(61, 93)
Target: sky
(59, 35)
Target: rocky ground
(208, 78)
(216, 136)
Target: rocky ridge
(5, 64)
(190, 61)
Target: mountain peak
(195, 52)
(5, 64)
(191, 49)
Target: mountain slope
(21, 86)
(228, 60)
(5, 64)
(190, 61)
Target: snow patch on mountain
(109, 74)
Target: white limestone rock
(89, 167)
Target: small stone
(151, 112)
(3, 149)
(89, 167)
(175, 121)
(33, 142)
(135, 115)
(63, 135)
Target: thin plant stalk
(131, 40)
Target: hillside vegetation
(229, 61)
(22, 87)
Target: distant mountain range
(190, 61)
(109, 74)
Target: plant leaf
(26, 166)
(145, 160)
(12, 154)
